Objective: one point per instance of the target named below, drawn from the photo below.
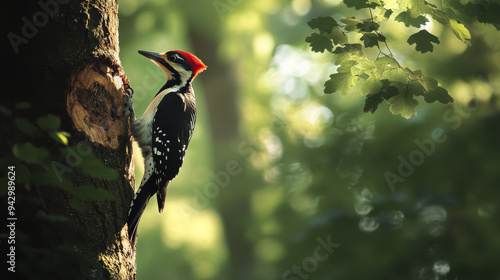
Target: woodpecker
(164, 130)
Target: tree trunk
(71, 214)
(221, 88)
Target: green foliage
(384, 73)
(460, 31)
(319, 43)
(49, 122)
(369, 40)
(403, 104)
(475, 11)
(35, 162)
(324, 24)
(423, 41)
(341, 82)
(374, 99)
(351, 23)
(93, 167)
(367, 26)
(329, 35)
(30, 154)
(83, 194)
(22, 105)
(408, 20)
(46, 125)
(27, 127)
(361, 4)
(433, 92)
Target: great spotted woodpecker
(164, 130)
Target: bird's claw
(129, 105)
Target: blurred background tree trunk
(62, 61)
(220, 85)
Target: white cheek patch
(185, 74)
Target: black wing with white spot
(170, 139)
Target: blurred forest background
(282, 181)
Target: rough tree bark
(62, 57)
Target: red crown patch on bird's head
(196, 63)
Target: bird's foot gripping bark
(129, 105)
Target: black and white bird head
(180, 67)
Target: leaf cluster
(44, 157)
(383, 79)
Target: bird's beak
(158, 59)
(153, 56)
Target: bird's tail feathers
(137, 209)
(161, 195)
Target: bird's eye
(172, 57)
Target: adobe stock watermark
(150, 84)
(39, 19)
(454, 119)
(426, 147)
(74, 157)
(311, 263)
(222, 7)
(220, 180)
